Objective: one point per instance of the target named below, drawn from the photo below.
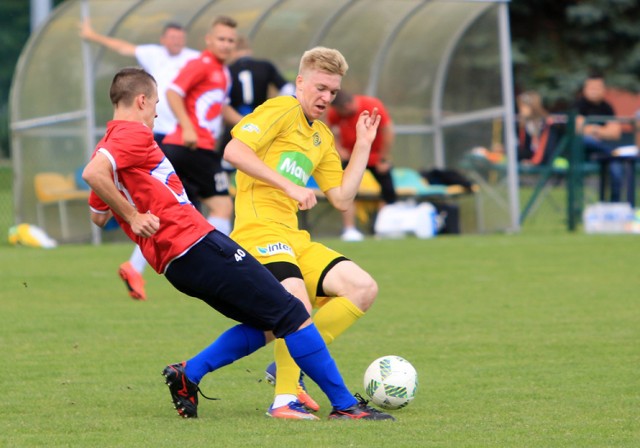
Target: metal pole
(509, 118)
(40, 9)
(90, 142)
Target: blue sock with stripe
(235, 343)
(311, 354)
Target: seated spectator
(600, 135)
(536, 138)
(536, 134)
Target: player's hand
(592, 130)
(144, 224)
(367, 125)
(190, 137)
(305, 197)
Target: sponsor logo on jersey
(296, 167)
(316, 139)
(274, 249)
(250, 127)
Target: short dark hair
(172, 26)
(130, 82)
(595, 74)
(592, 75)
(342, 98)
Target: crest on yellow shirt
(316, 139)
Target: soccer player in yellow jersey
(276, 149)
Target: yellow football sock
(287, 371)
(331, 320)
(335, 316)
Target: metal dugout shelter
(442, 67)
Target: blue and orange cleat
(292, 411)
(303, 396)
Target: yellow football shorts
(271, 242)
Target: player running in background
(343, 117)
(198, 98)
(163, 61)
(252, 79)
(275, 150)
(132, 180)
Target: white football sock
(283, 400)
(137, 260)
(223, 225)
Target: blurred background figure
(198, 97)
(534, 130)
(252, 82)
(342, 117)
(163, 61)
(600, 134)
(252, 79)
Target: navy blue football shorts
(229, 279)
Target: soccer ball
(391, 382)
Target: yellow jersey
(288, 143)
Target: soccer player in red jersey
(132, 180)
(198, 98)
(163, 61)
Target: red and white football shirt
(204, 84)
(148, 181)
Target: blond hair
(324, 59)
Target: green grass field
(519, 341)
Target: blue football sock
(235, 343)
(310, 353)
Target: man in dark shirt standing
(252, 78)
(600, 136)
(253, 81)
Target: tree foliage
(557, 43)
(14, 31)
(15, 27)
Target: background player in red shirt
(342, 117)
(132, 180)
(198, 98)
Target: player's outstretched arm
(118, 45)
(341, 197)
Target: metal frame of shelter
(258, 19)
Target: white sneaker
(352, 234)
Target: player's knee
(369, 293)
(363, 292)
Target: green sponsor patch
(295, 167)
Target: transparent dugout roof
(442, 68)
